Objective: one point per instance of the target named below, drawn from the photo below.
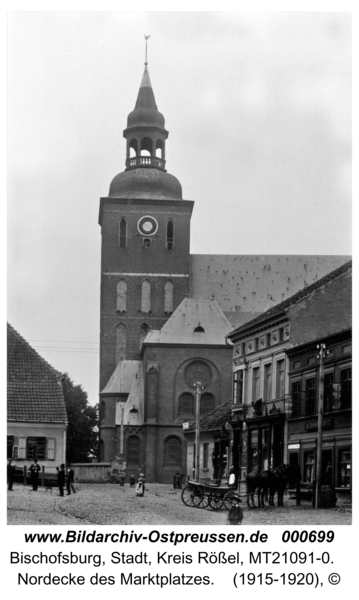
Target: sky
(258, 106)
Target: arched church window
(207, 404)
(120, 353)
(172, 457)
(121, 296)
(146, 297)
(133, 452)
(186, 405)
(143, 332)
(168, 296)
(170, 235)
(122, 233)
(102, 410)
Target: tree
(82, 431)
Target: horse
(269, 481)
(262, 482)
(282, 477)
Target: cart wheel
(191, 496)
(230, 499)
(215, 502)
(204, 501)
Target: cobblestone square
(106, 504)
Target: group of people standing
(65, 476)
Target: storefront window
(344, 468)
(253, 450)
(205, 455)
(346, 382)
(309, 467)
(265, 448)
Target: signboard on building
(313, 425)
(185, 425)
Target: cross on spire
(146, 38)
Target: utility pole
(320, 426)
(198, 387)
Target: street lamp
(199, 388)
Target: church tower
(145, 226)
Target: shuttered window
(50, 455)
(36, 448)
(10, 445)
(121, 296)
(173, 453)
(146, 297)
(168, 297)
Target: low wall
(92, 472)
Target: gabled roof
(215, 420)
(188, 316)
(34, 387)
(122, 378)
(282, 307)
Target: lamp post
(322, 354)
(198, 387)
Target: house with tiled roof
(214, 444)
(36, 411)
(275, 393)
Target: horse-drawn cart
(202, 495)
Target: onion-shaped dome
(146, 183)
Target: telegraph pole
(320, 426)
(198, 387)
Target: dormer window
(198, 329)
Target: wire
(62, 342)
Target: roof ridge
(22, 339)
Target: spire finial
(146, 38)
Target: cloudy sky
(258, 110)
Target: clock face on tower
(147, 225)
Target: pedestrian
(122, 478)
(235, 514)
(10, 474)
(175, 481)
(61, 478)
(70, 481)
(132, 481)
(232, 477)
(140, 489)
(34, 475)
